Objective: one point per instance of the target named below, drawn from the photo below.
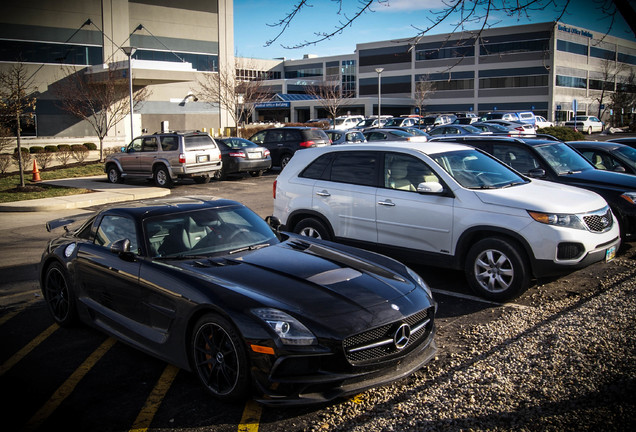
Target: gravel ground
(565, 363)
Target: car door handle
(323, 193)
(387, 203)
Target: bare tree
(458, 13)
(423, 89)
(234, 91)
(16, 88)
(101, 100)
(610, 70)
(330, 96)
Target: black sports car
(209, 286)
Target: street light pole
(129, 52)
(379, 71)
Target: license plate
(203, 158)
(254, 155)
(610, 253)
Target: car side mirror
(123, 149)
(430, 188)
(273, 222)
(619, 169)
(536, 173)
(122, 248)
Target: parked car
(410, 129)
(372, 122)
(586, 124)
(430, 121)
(610, 156)
(456, 129)
(630, 141)
(347, 122)
(283, 142)
(401, 121)
(555, 161)
(521, 128)
(526, 117)
(495, 128)
(373, 135)
(345, 136)
(166, 157)
(445, 204)
(241, 156)
(465, 120)
(207, 285)
(541, 122)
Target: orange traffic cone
(36, 172)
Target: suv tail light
(274, 189)
(307, 144)
(182, 158)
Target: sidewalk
(103, 193)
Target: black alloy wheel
(58, 296)
(220, 359)
(284, 160)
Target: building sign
(272, 105)
(573, 30)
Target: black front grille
(378, 343)
(599, 223)
(568, 251)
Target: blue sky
(390, 19)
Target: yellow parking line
(10, 315)
(15, 358)
(251, 417)
(147, 413)
(68, 386)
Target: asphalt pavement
(102, 192)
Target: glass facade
(348, 78)
(571, 47)
(536, 42)
(570, 81)
(46, 52)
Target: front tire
(589, 130)
(284, 160)
(313, 228)
(219, 358)
(114, 175)
(162, 177)
(58, 296)
(496, 269)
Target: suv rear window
(315, 134)
(198, 141)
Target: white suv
(448, 205)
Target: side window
(274, 136)
(169, 143)
(355, 168)
(113, 228)
(405, 172)
(292, 135)
(149, 144)
(259, 138)
(135, 145)
(318, 169)
(516, 157)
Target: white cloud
(408, 5)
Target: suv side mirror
(123, 149)
(536, 173)
(619, 169)
(122, 248)
(430, 188)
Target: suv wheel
(284, 160)
(496, 270)
(202, 179)
(114, 176)
(311, 227)
(256, 173)
(162, 177)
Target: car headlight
(629, 197)
(418, 279)
(289, 329)
(564, 220)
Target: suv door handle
(387, 203)
(323, 193)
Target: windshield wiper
(182, 257)
(513, 184)
(250, 248)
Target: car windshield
(397, 121)
(207, 232)
(416, 131)
(238, 143)
(629, 155)
(563, 159)
(471, 129)
(400, 132)
(366, 123)
(475, 170)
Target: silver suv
(165, 157)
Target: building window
(599, 84)
(454, 85)
(44, 52)
(569, 81)
(303, 73)
(514, 47)
(602, 53)
(348, 71)
(571, 47)
(445, 53)
(200, 62)
(515, 81)
(626, 58)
